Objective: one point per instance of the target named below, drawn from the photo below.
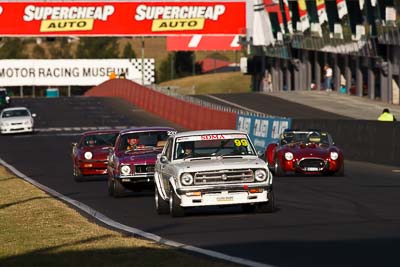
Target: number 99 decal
(241, 142)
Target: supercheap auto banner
(261, 130)
(38, 18)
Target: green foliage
(183, 65)
(216, 55)
(38, 52)
(97, 47)
(61, 49)
(12, 48)
(165, 69)
(128, 51)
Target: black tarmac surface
(320, 221)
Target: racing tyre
(266, 207)
(278, 171)
(340, 172)
(174, 208)
(115, 188)
(162, 206)
(77, 175)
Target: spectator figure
(112, 75)
(386, 116)
(122, 75)
(133, 143)
(328, 77)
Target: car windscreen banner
(86, 18)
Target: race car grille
(144, 168)
(311, 164)
(223, 177)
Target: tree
(128, 52)
(165, 69)
(97, 47)
(38, 52)
(61, 49)
(12, 48)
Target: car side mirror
(74, 144)
(260, 154)
(163, 159)
(33, 115)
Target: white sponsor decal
(144, 12)
(261, 128)
(211, 137)
(62, 12)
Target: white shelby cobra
(211, 168)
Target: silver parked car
(211, 168)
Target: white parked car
(211, 168)
(16, 120)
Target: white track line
(102, 218)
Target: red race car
(305, 152)
(89, 155)
(133, 158)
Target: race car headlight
(5, 124)
(334, 155)
(125, 170)
(88, 155)
(27, 122)
(288, 155)
(260, 175)
(187, 179)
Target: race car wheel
(340, 172)
(110, 186)
(115, 188)
(77, 175)
(278, 171)
(174, 208)
(162, 206)
(266, 207)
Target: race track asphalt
(320, 221)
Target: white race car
(211, 168)
(16, 120)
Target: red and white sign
(203, 43)
(39, 18)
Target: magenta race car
(132, 160)
(305, 152)
(89, 155)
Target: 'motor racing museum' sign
(73, 72)
(80, 18)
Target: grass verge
(215, 83)
(38, 230)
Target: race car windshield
(107, 139)
(142, 140)
(211, 148)
(304, 137)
